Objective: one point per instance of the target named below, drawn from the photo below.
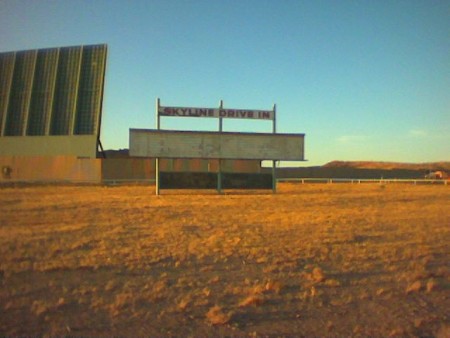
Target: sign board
(212, 145)
(216, 112)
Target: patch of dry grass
(314, 260)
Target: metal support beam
(274, 178)
(157, 185)
(219, 171)
(48, 118)
(73, 116)
(8, 95)
(26, 113)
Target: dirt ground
(312, 260)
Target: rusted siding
(128, 169)
(73, 169)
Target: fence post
(219, 172)
(157, 159)
(274, 125)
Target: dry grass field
(312, 260)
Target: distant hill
(431, 166)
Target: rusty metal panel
(213, 145)
(128, 169)
(54, 169)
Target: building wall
(128, 169)
(75, 169)
(50, 169)
(144, 168)
(76, 145)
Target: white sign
(216, 112)
(189, 144)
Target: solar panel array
(54, 91)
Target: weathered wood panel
(187, 144)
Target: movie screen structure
(168, 144)
(51, 100)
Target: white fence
(360, 181)
(293, 180)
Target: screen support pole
(157, 185)
(219, 171)
(274, 178)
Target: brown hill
(430, 166)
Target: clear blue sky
(364, 80)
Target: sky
(363, 80)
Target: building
(51, 101)
(50, 119)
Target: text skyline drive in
(216, 113)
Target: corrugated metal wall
(50, 169)
(51, 92)
(43, 89)
(90, 90)
(54, 91)
(140, 168)
(73, 169)
(6, 74)
(20, 94)
(66, 90)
